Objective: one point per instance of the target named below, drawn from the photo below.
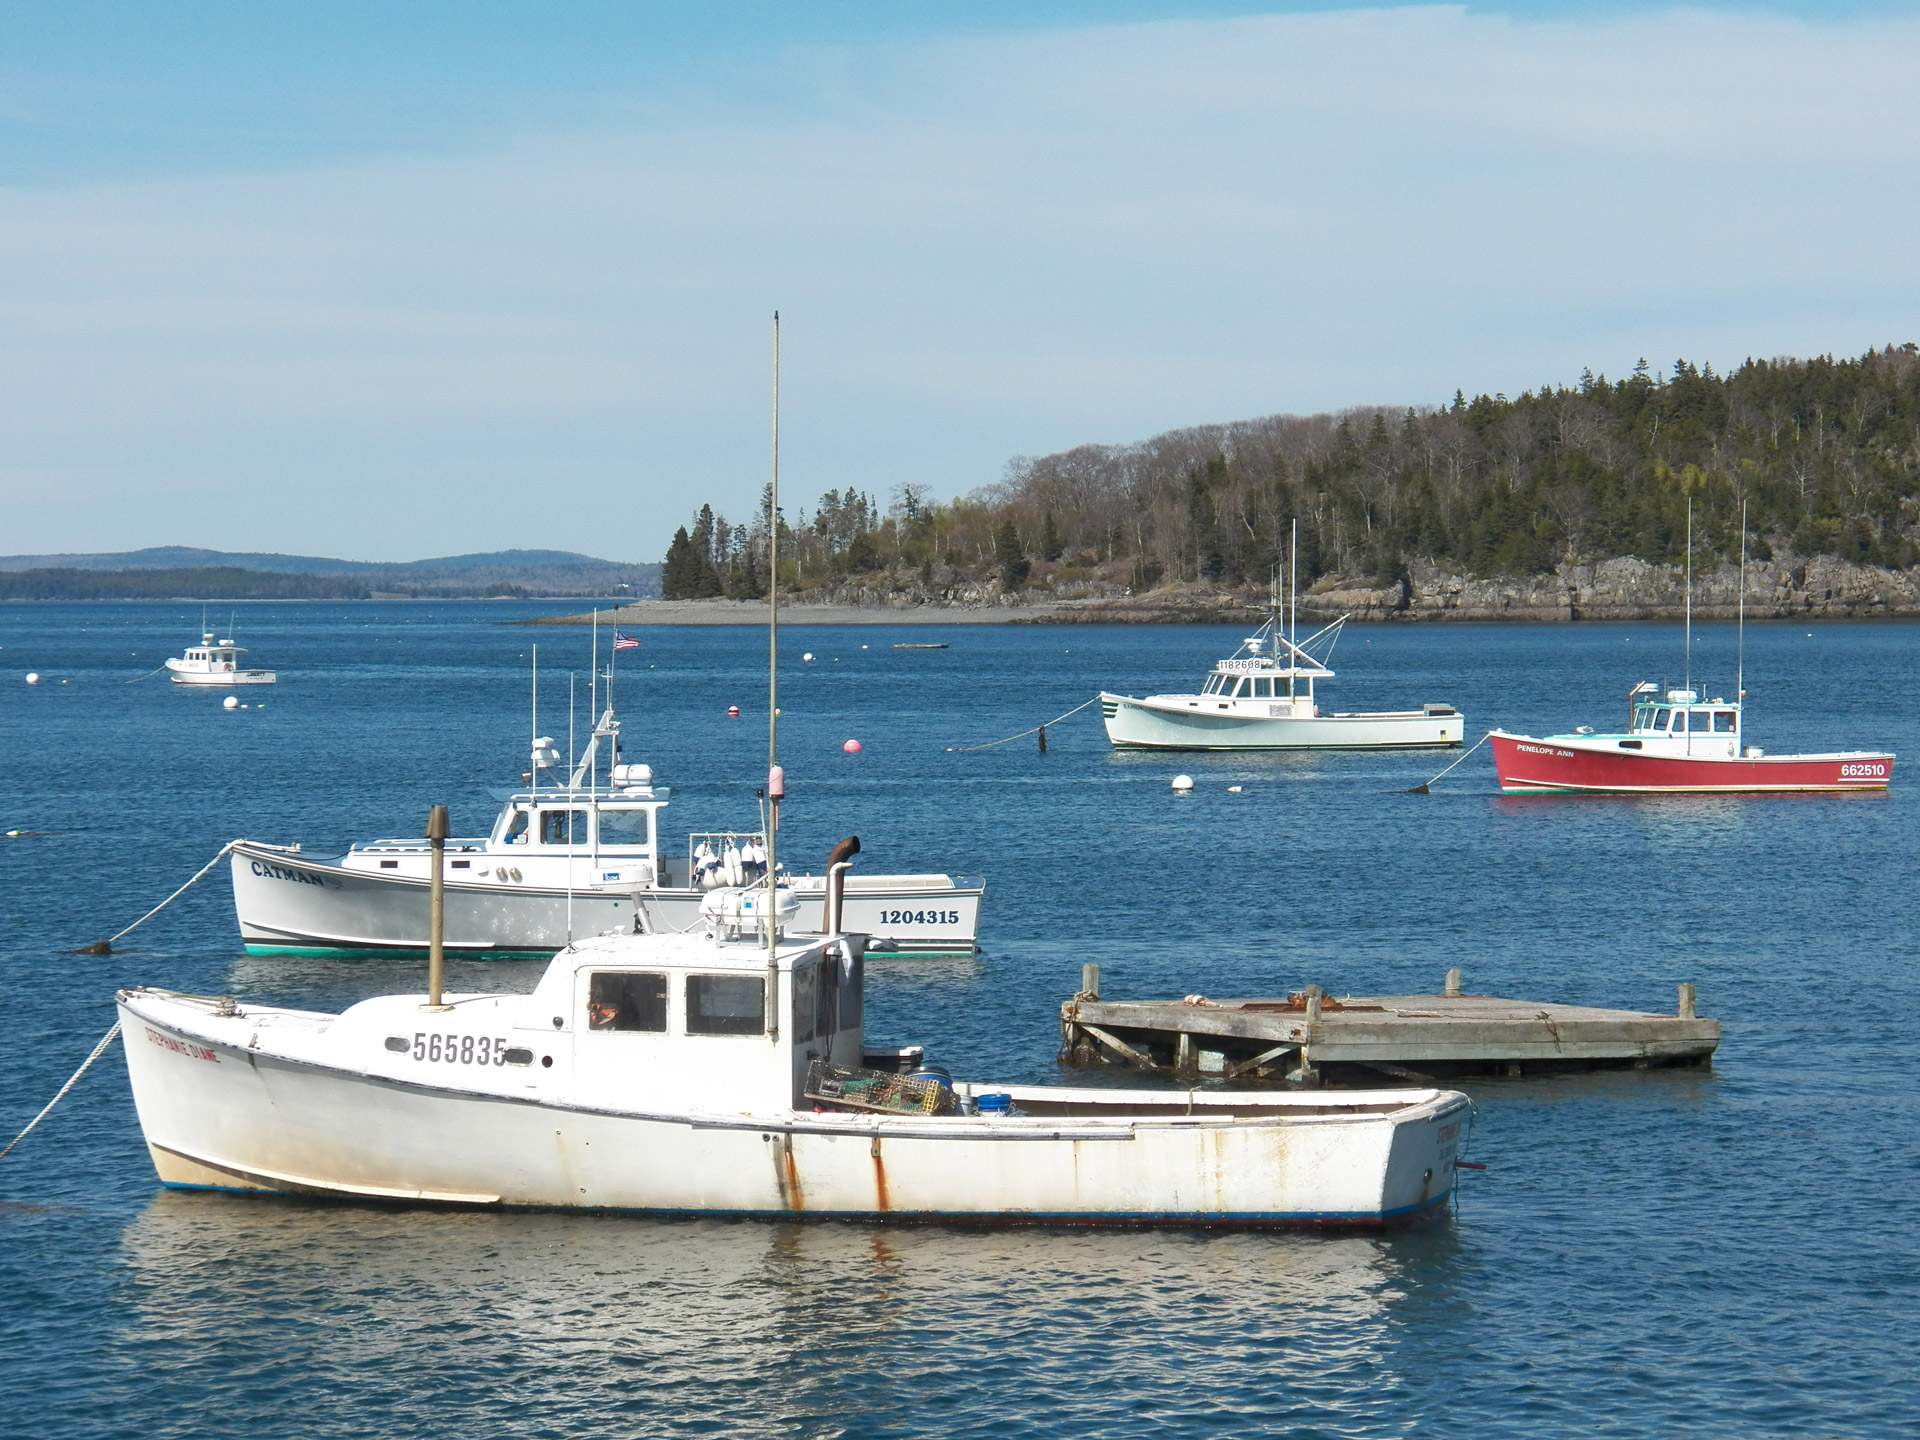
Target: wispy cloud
(984, 246)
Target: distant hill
(188, 571)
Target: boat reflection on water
(556, 1321)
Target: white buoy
(1182, 784)
(32, 678)
(808, 656)
(1235, 789)
(230, 703)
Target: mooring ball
(1183, 783)
(230, 703)
(32, 678)
(733, 711)
(852, 747)
(807, 656)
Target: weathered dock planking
(1417, 1038)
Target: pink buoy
(852, 747)
(733, 711)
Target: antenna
(593, 710)
(776, 781)
(1740, 646)
(533, 767)
(1689, 679)
(1293, 586)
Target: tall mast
(1740, 646)
(533, 766)
(776, 781)
(1689, 651)
(1293, 588)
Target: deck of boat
(1416, 1038)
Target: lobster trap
(877, 1090)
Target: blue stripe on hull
(903, 1217)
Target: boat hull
(224, 678)
(1574, 765)
(292, 903)
(229, 1115)
(1146, 725)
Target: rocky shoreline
(1784, 587)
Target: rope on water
(85, 1065)
(148, 676)
(105, 947)
(963, 749)
(1427, 789)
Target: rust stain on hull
(789, 1175)
(879, 1177)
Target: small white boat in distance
(1262, 698)
(649, 1073)
(216, 662)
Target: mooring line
(963, 749)
(1427, 789)
(105, 947)
(85, 1065)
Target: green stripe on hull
(370, 952)
(374, 952)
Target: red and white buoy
(852, 747)
(733, 712)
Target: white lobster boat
(215, 662)
(713, 1073)
(1261, 698)
(581, 858)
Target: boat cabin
(684, 1019)
(1680, 722)
(1255, 682)
(604, 837)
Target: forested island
(1565, 502)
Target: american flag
(625, 642)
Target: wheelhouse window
(1263, 688)
(726, 1004)
(624, 829)
(626, 1000)
(1212, 687)
(1660, 719)
(1725, 722)
(563, 827)
(516, 831)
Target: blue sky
(396, 280)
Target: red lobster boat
(1676, 745)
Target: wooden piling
(1687, 1001)
(1454, 977)
(437, 828)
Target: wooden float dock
(1311, 1035)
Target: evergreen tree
(1010, 558)
(680, 573)
(1051, 546)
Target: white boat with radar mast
(723, 1071)
(576, 857)
(1262, 698)
(215, 662)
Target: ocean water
(1714, 1252)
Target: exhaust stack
(838, 863)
